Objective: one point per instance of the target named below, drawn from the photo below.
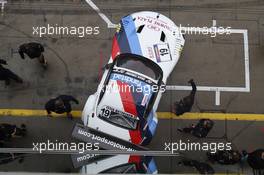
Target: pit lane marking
(161, 115)
(215, 89)
(102, 15)
(3, 2)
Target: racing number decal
(105, 112)
(162, 52)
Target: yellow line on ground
(161, 115)
(33, 113)
(212, 116)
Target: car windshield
(136, 64)
(138, 88)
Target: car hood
(144, 34)
(126, 94)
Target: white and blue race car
(121, 164)
(145, 50)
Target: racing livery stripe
(134, 159)
(131, 34)
(123, 42)
(138, 97)
(115, 48)
(152, 123)
(126, 40)
(129, 106)
(152, 168)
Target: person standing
(201, 167)
(201, 129)
(225, 157)
(6, 158)
(8, 131)
(7, 75)
(185, 104)
(255, 160)
(33, 50)
(60, 105)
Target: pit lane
(79, 70)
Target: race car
(121, 164)
(145, 50)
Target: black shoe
(21, 160)
(23, 126)
(180, 130)
(7, 82)
(24, 133)
(70, 116)
(20, 81)
(180, 163)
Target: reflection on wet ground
(93, 164)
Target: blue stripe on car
(131, 34)
(152, 124)
(152, 168)
(123, 42)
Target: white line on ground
(102, 15)
(36, 150)
(221, 89)
(246, 50)
(207, 88)
(215, 89)
(214, 23)
(217, 97)
(3, 2)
